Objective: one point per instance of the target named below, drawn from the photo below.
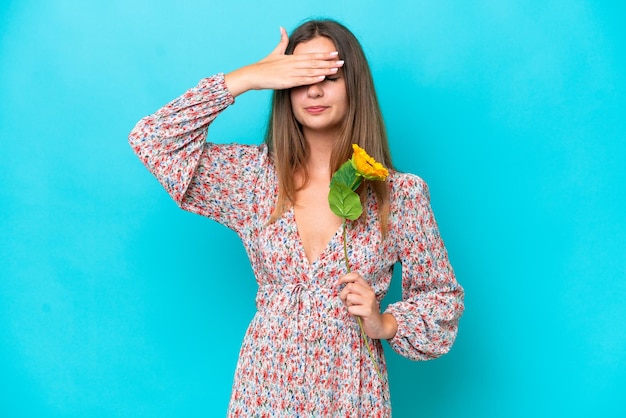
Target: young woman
(303, 353)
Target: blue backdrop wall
(114, 303)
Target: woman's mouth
(315, 110)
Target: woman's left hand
(360, 299)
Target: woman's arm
(170, 141)
(205, 178)
(432, 300)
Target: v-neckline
(300, 243)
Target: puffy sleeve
(432, 300)
(217, 181)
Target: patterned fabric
(303, 354)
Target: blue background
(114, 303)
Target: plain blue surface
(114, 303)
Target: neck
(321, 148)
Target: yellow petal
(366, 166)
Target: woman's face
(320, 107)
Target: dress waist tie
(308, 306)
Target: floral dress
(303, 354)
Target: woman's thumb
(282, 45)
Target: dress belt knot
(307, 316)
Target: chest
(316, 223)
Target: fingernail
(340, 62)
(334, 53)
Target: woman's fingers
(316, 60)
(279, 72)
(302, 69)
(352, 278)
(356, 291)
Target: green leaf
(344, 202)
(346, 175)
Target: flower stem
(369, 349)
(345, 247)
(358, 318)
(356, 183)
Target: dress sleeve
(432, 300)
(212, 180)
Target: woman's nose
(315, 90)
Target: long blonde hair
(363, 124)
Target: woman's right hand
(278, 71)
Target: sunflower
(366, 166)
